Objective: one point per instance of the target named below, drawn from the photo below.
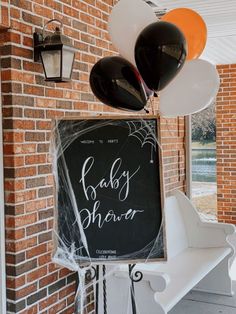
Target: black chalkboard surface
(109, 190)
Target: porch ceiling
(220, 17)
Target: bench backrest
(176, 235)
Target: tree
(204, 125)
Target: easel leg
(134, 277)
(97, 288)
(104, 289)
(133, 298)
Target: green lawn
(205, 145)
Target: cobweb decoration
(144, 132)
(67, 246)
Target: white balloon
(126, 21)
(192, 90)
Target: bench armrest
(226, 228)
(158, 281)
(210, 234)
(202, 234)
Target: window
(202, 146)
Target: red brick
(24, 124)
(53, 267)
(54, 5)
(14, 283)
(22, 52)
(37, 250)
(21, 221)
(32, 66)
(36, 228)
(21, 245)
(21, 196)
(49, 301)
(24, 149)
(32, 310)
(67, 290)
(13, 185)
(52, 93)
(43, 11)
(35, 159)
(36, 274)
(45, 259)
(12, 234)
(28, 41)
(48, 279)
(57, 308)
(26, 291)
(4, 18)
(64, 272)
(33, 90)
(13, 137)
(35, 205)
(45, 102)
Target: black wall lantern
(56, 53)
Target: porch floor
(206, 303)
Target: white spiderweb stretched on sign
(144, 132)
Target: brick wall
(4, 14)
(34, 283)
(173, 151)
(226, 144)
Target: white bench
(198, 258)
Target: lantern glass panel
(52, 63)
(68, 58)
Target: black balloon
(117, 83)
(160, 52)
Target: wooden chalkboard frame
(122, 118)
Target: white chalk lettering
(118, 179)
(97, 218)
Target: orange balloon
(192, 26)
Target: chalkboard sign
(109, 190)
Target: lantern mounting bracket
(38, 39)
